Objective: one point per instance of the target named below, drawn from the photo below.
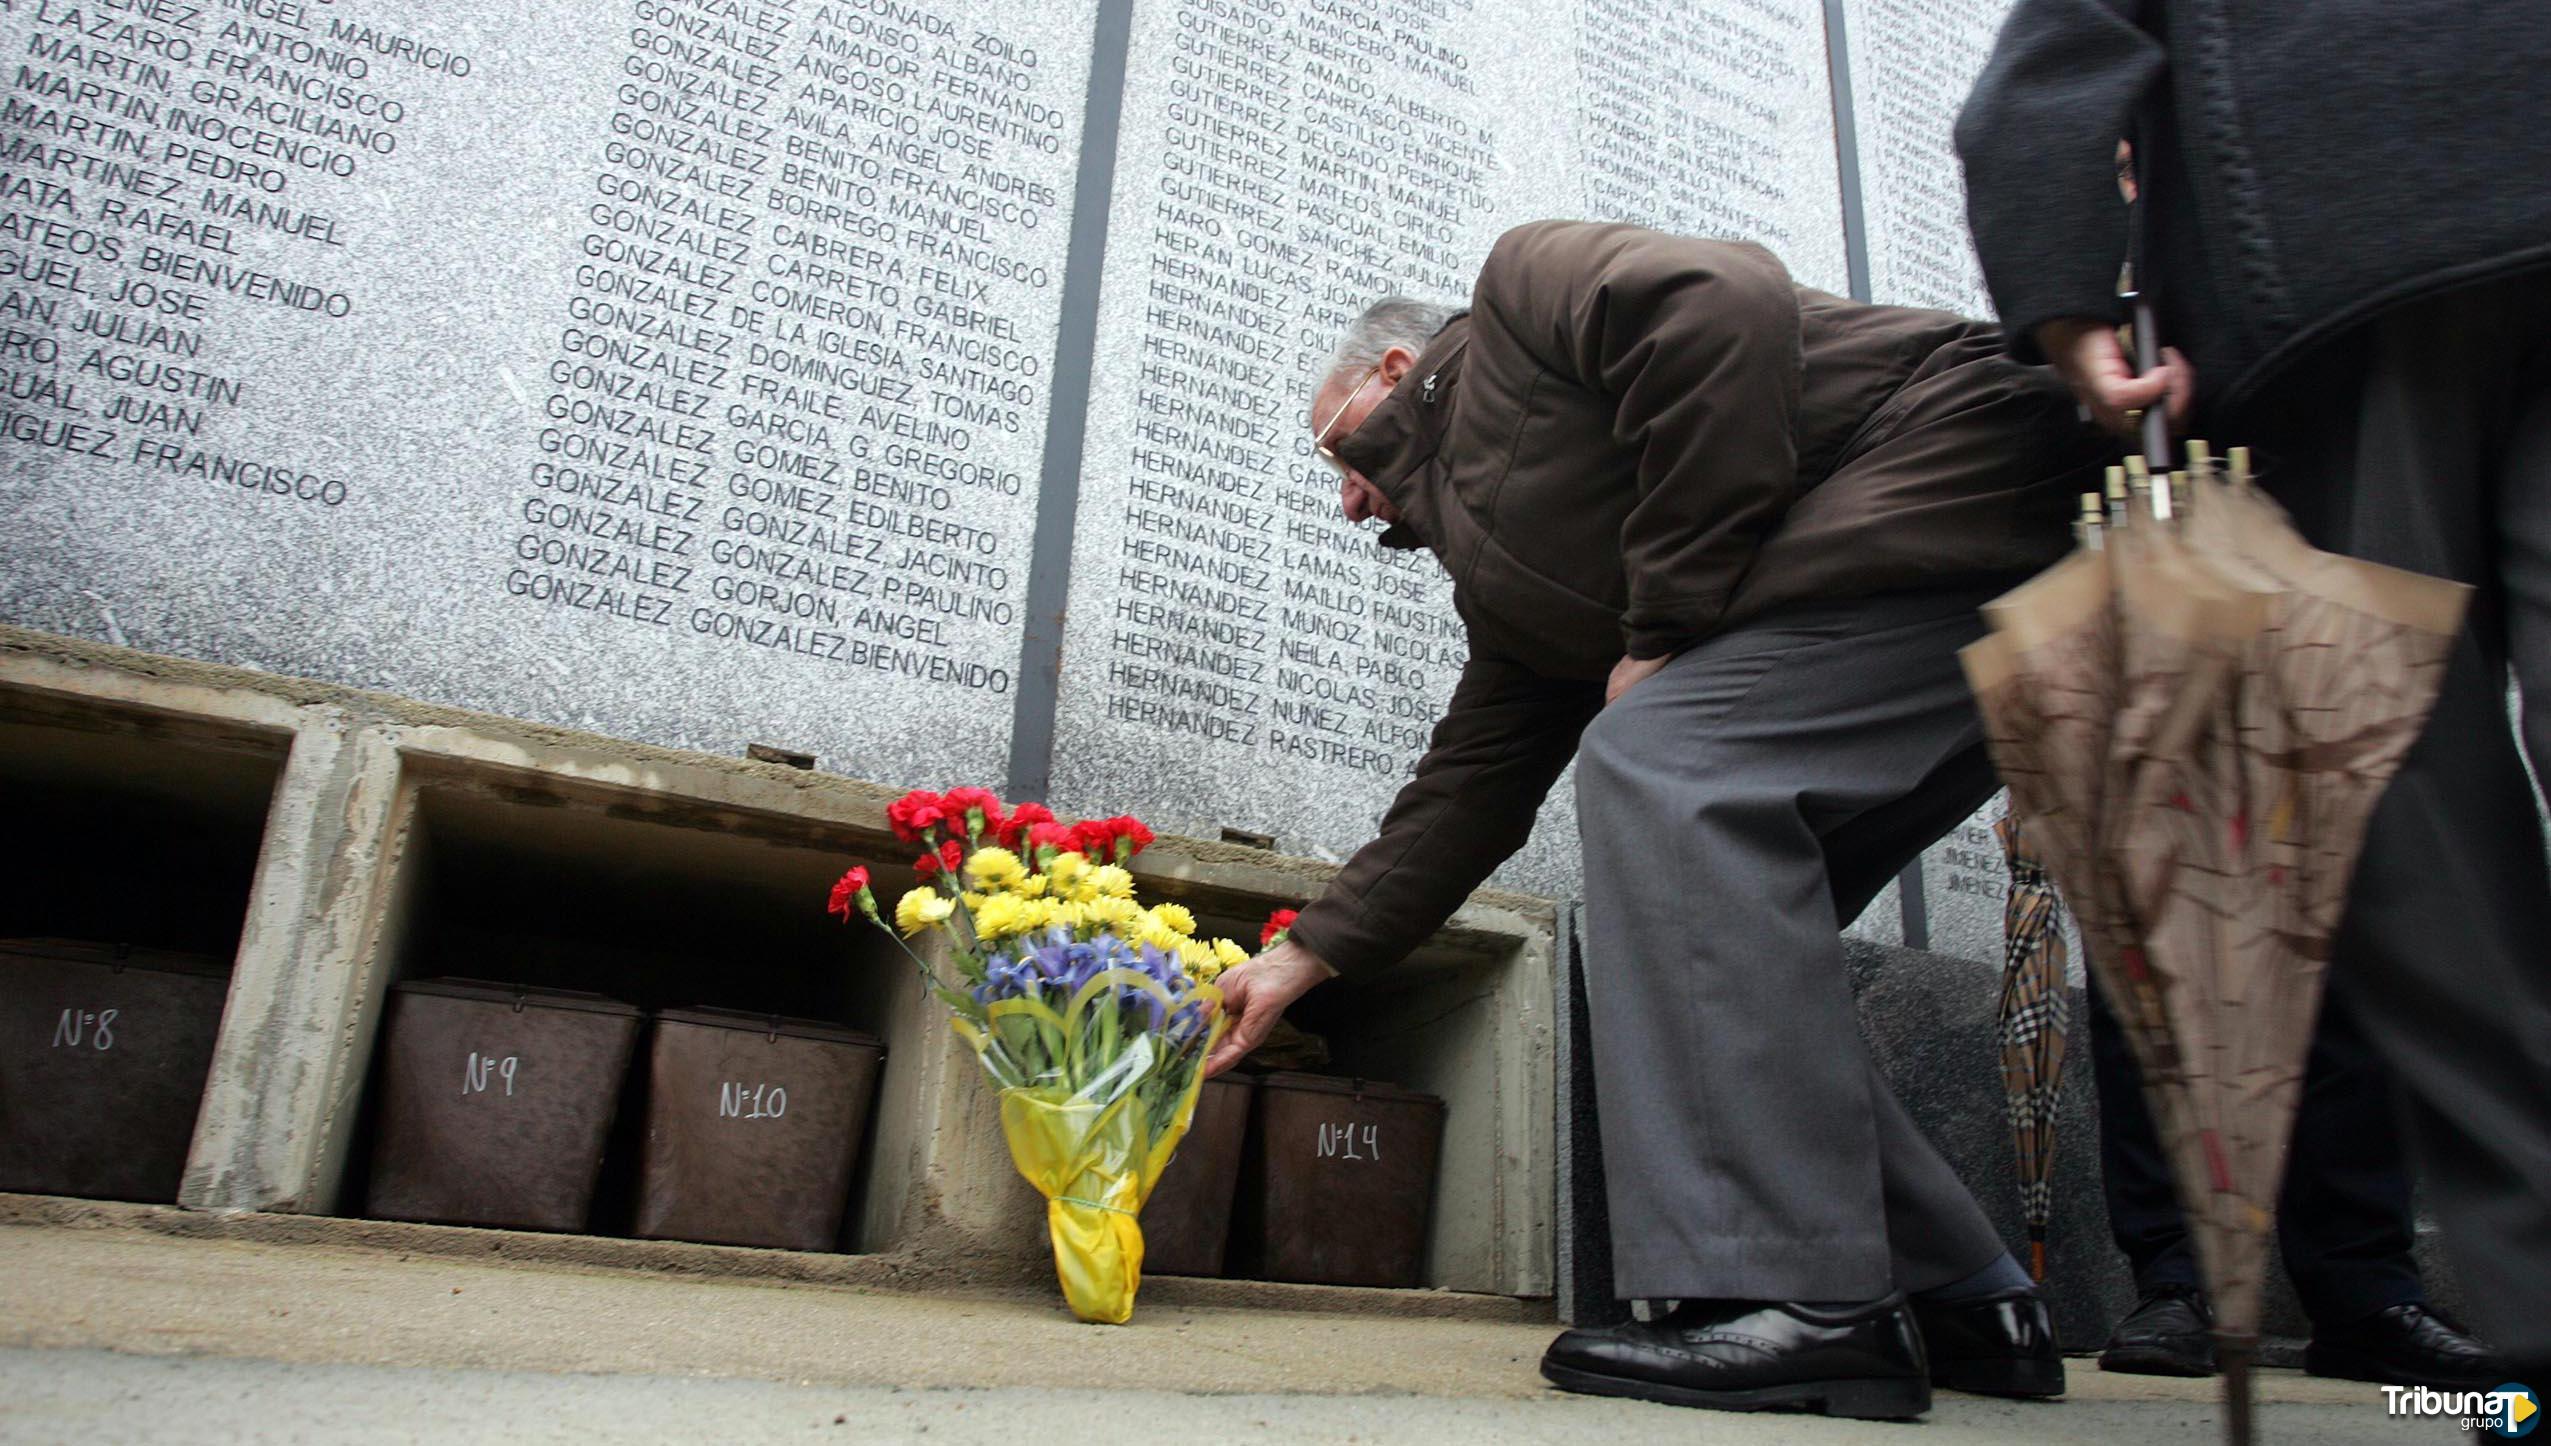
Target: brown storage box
(495, 1101)
(1344, 1176)
(103, 1052)
(1187, 1221)
(753, 1124)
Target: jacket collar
(1400, 436)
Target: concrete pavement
(118, 1334)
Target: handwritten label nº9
(486, 1071)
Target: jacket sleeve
(1503, 741)
(1697, 345)
(2038, 137)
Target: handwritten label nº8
(85, 1028)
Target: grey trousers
(2424, 441)
(1737, 808)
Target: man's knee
(1623, 753)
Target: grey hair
(1389, 322)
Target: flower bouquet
(1091, 1013)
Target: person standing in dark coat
(2346, 223)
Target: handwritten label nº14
(1343, 1142)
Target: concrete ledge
(916, 1272)
(405, 839)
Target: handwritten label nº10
(89, 1028)
(737, 1100)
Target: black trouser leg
(2425, 443)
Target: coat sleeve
(2038, 137)
(1697, 345)
(1501, 744)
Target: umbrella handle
(2147, 356)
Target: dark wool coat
(1634, 441)
(2303, 164)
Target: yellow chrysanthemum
(1035, 915)
(1072, 916)
(1000, 916)
(971, 900)
(1228, 954)
(995, 869)
(1112, 882)
(1031, 887)
(921, 908)
(1198, 960)
(1066, 872)
(1175, 918)
(1122, 915)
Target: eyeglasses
(1325, 444)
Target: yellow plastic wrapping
(1094, 1134)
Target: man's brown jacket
(1635, 441)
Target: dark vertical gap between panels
(1914, 905)
(1058, 495)
(1855, 225)
(1914, 909)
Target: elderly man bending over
(1720, 537)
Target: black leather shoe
(2407, 1345)
(2170, 1332)
(1864, 1361)
(1993, 1345)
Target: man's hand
(1257, 993)
(1629, 673)
(2091, 360)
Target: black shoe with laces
(1860, 1360)
(2001, 1344)
(2407, 1345)
(2170, 1332)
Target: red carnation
(1279, 924)
(1021, 819)
(847, 894)
(949, 856)
(962, 802)
(915, 814)
(1131, 836)
(1056, 836)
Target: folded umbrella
(2262, 693)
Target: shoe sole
(1898, 1399)
(2031, 1380)
(2348, 1366)
(2153, 1361)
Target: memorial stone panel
(1236, 653)
(1912, 63)
(672, 368)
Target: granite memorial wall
(693, 370)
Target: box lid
(519, 995)
(768, 1024)
(1340, 1085)
(118, 956)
